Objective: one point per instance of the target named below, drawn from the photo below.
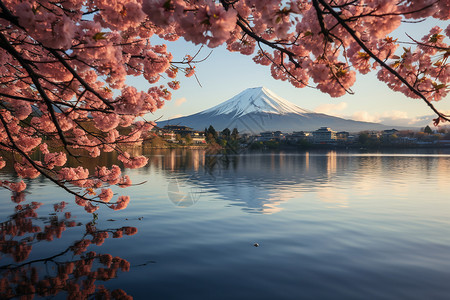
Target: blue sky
(225, 74)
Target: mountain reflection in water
(259, 183)
(262, 182)
(329, 225)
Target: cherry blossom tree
(62, 90)
(322, 43)
(64, 65)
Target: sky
(224, 74)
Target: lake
(281, 225)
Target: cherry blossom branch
(35, 78)
(37, 167)
(290, 54)
(63, 61)
(378, 60)
(426, 45)
(78, 77)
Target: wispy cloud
(331, 108)
(395, 118)
(365, 117)
(180, 101)
(176, 116)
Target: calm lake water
(327, 225)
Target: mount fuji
(256, 110)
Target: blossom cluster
(63, 68)
(319, 43)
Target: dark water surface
(329, 225)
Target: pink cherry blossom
(106, 195)
(132, 162)
(121, 203)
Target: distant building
(246, 137)
(168, 136)
(324, 135)
(299, 136)
(270, 136)
(342, 135)
(177, 129)
(198, 137)
(373, 134)
(278, 134)
(389, 132)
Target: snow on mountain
(259, 99)
(256, 110)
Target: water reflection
(262, 182)
(72, 270)
(257, 182)
(337, 225)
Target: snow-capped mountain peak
(259, 99)
(258, 110)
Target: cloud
(180, 101)
(331, 108)
(394, 118)
(364, 116)
(176, 116)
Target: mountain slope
(255, 110)
(253, 100)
